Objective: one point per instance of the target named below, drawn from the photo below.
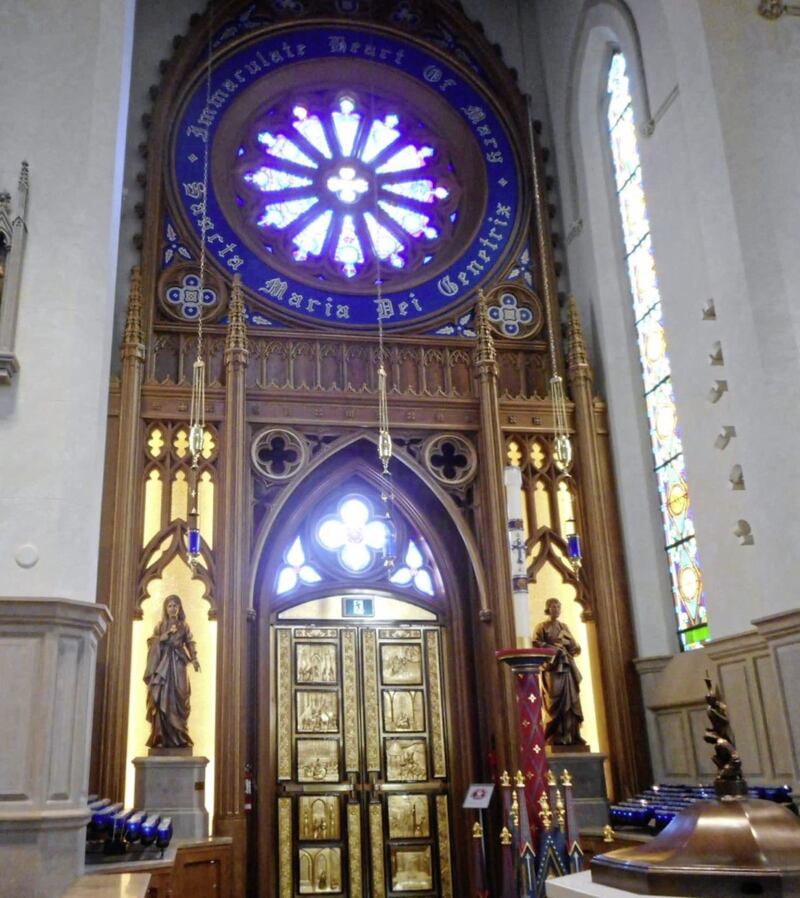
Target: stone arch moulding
(606, 27)
(616, 24)
(354, 455)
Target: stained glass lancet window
(681, 545)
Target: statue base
(174, 785)
(587, 769)
(160, 752)
(577, 748)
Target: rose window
(348, 190)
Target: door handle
(352, 779)
(375, 785)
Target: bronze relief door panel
(362, 762)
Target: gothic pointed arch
(421, 514)
(417, 495)
(163, 548)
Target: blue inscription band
(314, 197)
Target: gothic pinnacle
(236, 338)
(134, 335)
(578, 357)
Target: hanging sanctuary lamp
(384, 436)
(197, 407)
(385, 441)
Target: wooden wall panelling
(781, 632)
(160, 885)
(204, 871)
(736, 682)
(674, 733)
(674, 693)
(777, 737)
(298, 363)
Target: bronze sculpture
(561, 679)
(726, 759)
(169, 650)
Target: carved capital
(9, 365)
(771, 9)
(774, 9)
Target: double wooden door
(362, 761)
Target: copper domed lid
(713, 849)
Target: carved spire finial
(486, 357)
(545, 814)
(23, 177)
(134, 335)
(578, 357)
(561, 812)
(236, 338)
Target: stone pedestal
(174, 786)
(580, 885)
(48, 649)
(590, 798)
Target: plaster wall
(718, 80)
(156, 25)
(64, 97)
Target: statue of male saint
(561, 679)
(169, 650)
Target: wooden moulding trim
(46, 611)
(780, 626)
(651, 664)
(742, 645)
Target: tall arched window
(668, 460)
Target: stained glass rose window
(347, 186)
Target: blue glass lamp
(574, 548)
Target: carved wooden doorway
(362, 760)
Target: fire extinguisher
(249, 788)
